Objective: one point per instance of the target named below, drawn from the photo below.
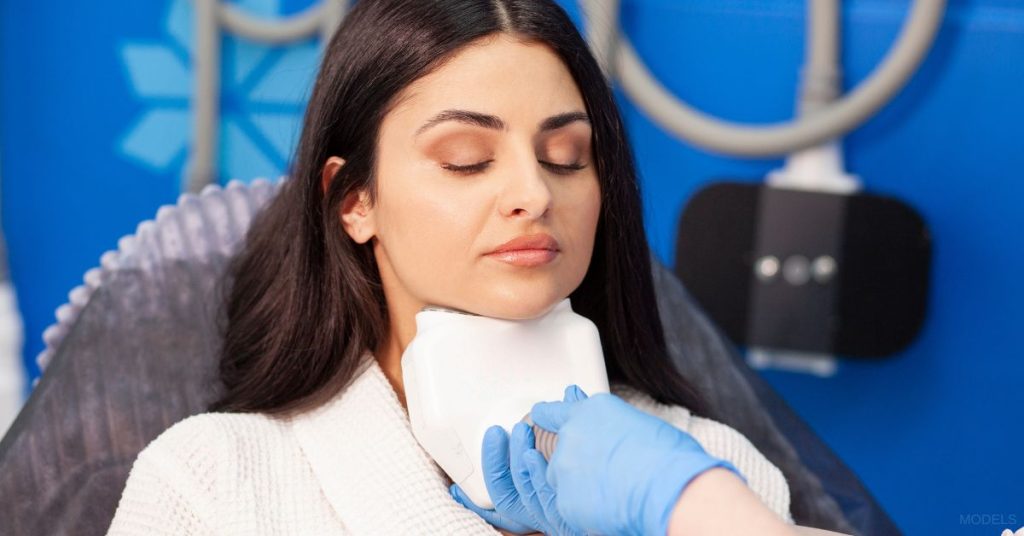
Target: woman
(436, 132)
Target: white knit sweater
(351, 466)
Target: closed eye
(468, 170)
(561, 169)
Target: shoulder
(721, 441)
(213, 452)
(180, 481)
(216, 435)
(207, 445)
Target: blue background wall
(95, 121)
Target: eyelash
(561, 169)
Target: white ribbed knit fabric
(351, 466)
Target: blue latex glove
(528, 467)
(616, 469)
(509, 512)
(518, 506)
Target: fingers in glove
(546, 496)
(550, 415)
(521, 442)
(490, 516)
(573, 393)
(497, 476)
(537, 469)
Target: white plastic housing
(464, 373)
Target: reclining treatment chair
(136, 348)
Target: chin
(519, 306)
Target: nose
(526, 192)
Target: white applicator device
(464, 373)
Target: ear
(331, 168)
(357, 216)
(355, 211)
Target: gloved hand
(528, 466)
(518, 506)
(616, 469)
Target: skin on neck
(389, 357)
(402, 309)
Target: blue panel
(66, 103)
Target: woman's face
(492, 146)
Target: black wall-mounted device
(807, 271)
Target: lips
(539, 241)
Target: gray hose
(663, 108)
(211, 18)
(298, 26)
(821, 75)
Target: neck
(402, 307)
(389, 357)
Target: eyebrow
(495, 123)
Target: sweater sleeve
(763, 478)
(165, 494)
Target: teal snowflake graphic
(263, 93)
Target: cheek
(594, 204)
(586, 211)
(427, 232)
(581, 210)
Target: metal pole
(203, 164)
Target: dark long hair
(306, 301)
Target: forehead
(516, 80)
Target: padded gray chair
(135, 351)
